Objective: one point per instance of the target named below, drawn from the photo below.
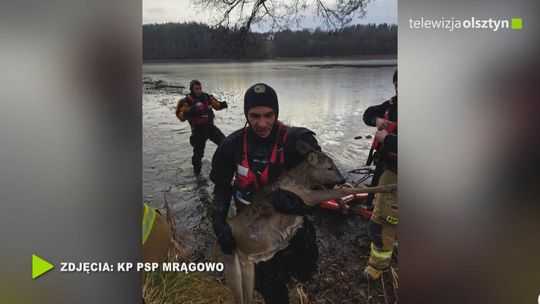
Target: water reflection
(319, 95)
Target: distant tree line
(200, 41)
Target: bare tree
(280, 14)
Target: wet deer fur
(260, 231)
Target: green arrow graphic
(39, 266)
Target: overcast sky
(160, 11)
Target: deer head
(318, 168)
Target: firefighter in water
(197, 108)
(384, 220)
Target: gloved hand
(226, 241)
(381, 123)
(223, 104)
(289, 203)
(185, 107)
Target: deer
(260, 231)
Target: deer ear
(303, 147)
(312, 158)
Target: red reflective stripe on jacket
(243, 182)
(264, 177)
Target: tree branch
(333, 13)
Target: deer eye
(330, 168)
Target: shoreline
(340, 58)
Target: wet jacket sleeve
(289, 203)
(373, 112)
(390, 143)
(309, 137)
(293, 157)
(181, 109)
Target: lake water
(328, 97)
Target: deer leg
(316, 197)
(342, 206)
(248, 278)
(233, 275)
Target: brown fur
(260, 231)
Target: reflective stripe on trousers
(383, 255)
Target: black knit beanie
(261, 94)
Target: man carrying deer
(279, 173)
(256, 156)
